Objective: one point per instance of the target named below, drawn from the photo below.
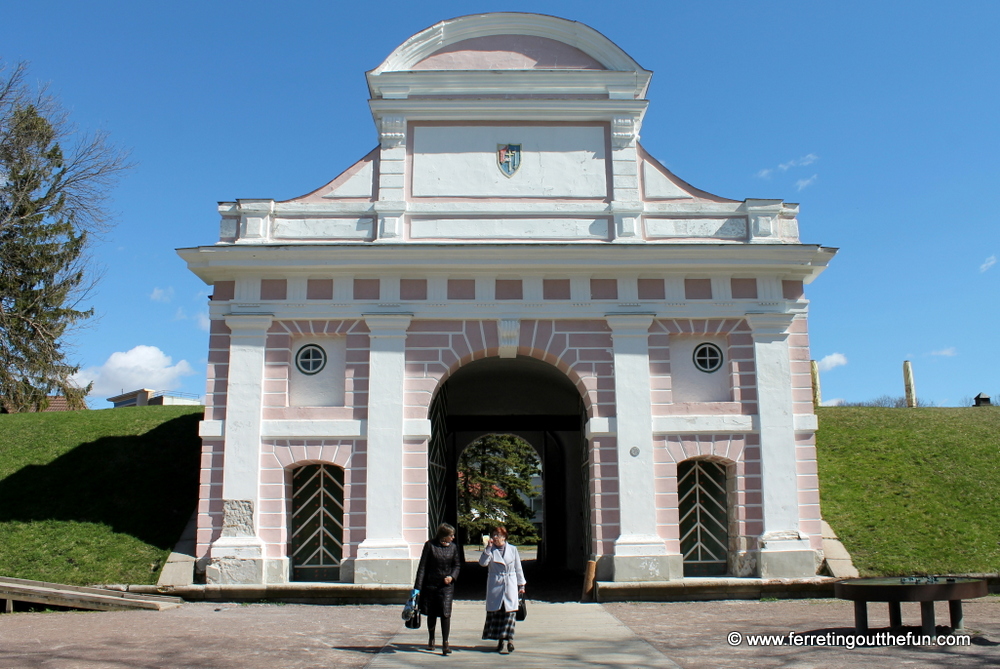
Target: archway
(537, 402)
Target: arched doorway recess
(537, 402)
(703, 503)
(317, 527)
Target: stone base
(634, 568)
(786, 564)
(235, 571)
(389, 571)
(277, 570)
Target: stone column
(384, 555)
(783, 552)
(238, 555)
(640, 554)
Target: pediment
(508, 52)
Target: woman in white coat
(504, 584)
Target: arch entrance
(537, 402)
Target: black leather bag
(522, 610)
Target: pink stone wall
(278, 361)
(807, 475)
(435, 349)
(415, 493)
(605, 518)
(799, 357)
(209, 519)
(743, 378)
(279, 458)
(217, 376)
(741, 455)
(581, 349)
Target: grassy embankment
(913, 491)
(101, 496)
(95, 496)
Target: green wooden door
(317, 545)
(701, 488)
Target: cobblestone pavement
(695, 634)
(274, 636)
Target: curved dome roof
(508, 41)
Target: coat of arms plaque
(508, 158)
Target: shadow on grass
(145, 485)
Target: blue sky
(880, 118)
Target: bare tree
(54, 185)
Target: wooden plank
(87, 590)
(55, 594)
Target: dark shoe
(510, 646)
(430, 643)
(500, 646)
(445, 650)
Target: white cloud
(835, 402)
(831, 361)
(949, 352)
(990, 262)
(140, 367)
(162, 294)
(807, 159)
(802, 184)
(200, 318)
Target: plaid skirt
(499, 625)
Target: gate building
(508, 259)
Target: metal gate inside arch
(317, 543)
(704, 518)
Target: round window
(310, 359)
(707, 357)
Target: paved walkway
(553, 635)
(692, 635)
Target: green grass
(101, 496)
(913, 491)
(95, 496)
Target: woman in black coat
(440, 563)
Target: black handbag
(522, 610)
(413, 622)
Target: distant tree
(887, 402)
(51, 203)
(494, 482)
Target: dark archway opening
(537, 402)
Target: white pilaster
(384, 555)
(783, 552)
(238, 555)
(391, 203)
(640, 554)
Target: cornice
(403, 85)
(521, 109)
(213, 263)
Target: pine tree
(49, 203)
(494, 480)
